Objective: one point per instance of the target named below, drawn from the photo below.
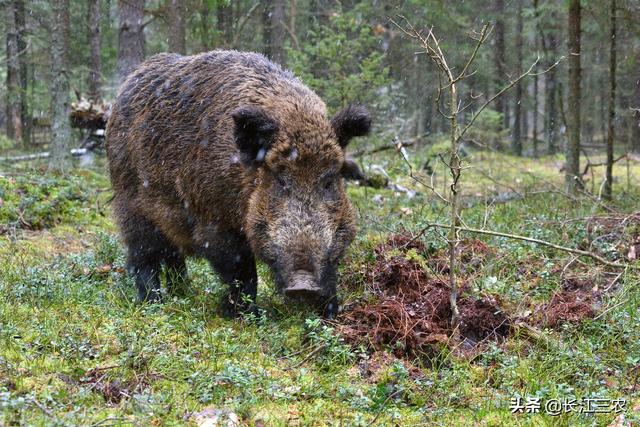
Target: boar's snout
(303, 286)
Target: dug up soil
(407, 307)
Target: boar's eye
(282, 182)
(329, 183)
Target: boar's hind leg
(176, 273)
(235, 264)
(145, 269)
(147, 250)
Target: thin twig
(543, 243)
(243, 22)
(412, 175)
(310, 355)
(42, 407)
(613, 282)
(384, 404)
(609, 309)
(106, 420)
(76, 152)
(496, 96)
(484, 33)
(593, 165)
(392, 146)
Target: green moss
(36, 201)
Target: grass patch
(76, 349)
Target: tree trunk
(499, 59)
(224, 14)
(516, 142)
(94, 77)
(534, 124)
(60, 126)
(266, 28)
(572, 168)
(293, 14)
(279, 32)
(525, 118)
(13, 111)
(25, 116)
(414, 98)
(603, 101)
(130, 36)
(205, 38)
(274, 30)
(551, 106)
(507, 112)
(177, 31)
(608, 188)
(589, 83)
(635, 133)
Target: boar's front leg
(330, 310)
(330, 305)
(233, 260)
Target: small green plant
(107, 248)
(6, 143)
(324, 337)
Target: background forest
(347, 51)
(495, 271)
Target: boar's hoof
(151, 297)
(330, 311)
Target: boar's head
(299, 219)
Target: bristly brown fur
(227, 156)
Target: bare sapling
(448, 89)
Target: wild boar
(227, 156)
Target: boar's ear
(254, 131)
(352, 121)
(351, 170)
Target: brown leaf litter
(407, 309)
(411, 311)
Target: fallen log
(76, 152)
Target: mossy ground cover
(75, 348)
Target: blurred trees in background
(349, 52)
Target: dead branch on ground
(575, 251)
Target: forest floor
(540, 325)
